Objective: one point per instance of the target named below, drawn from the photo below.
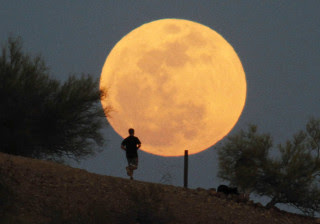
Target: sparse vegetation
(148, 206)
(292, 178)
(96, 214)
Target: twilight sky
(278, 43)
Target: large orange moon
(178, 83)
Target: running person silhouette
(131, 144)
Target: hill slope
(35, 191)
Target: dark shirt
(131, 143)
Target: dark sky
(277, 42)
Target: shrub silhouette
(42, 117)
(290, 178)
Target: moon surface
(178, 83)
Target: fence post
(185, 179)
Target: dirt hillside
(35, 191)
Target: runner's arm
(123, 145)
(138, 143)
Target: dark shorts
(133, 161)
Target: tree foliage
(240, 163)
(290, 176)
(42, 117)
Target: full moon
(178, 83)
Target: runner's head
(131, 131)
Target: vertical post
(185, 182)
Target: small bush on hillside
(148, 206)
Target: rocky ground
(36, 191)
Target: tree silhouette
(42, 117)
(290, 178)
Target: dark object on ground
(228, 190)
